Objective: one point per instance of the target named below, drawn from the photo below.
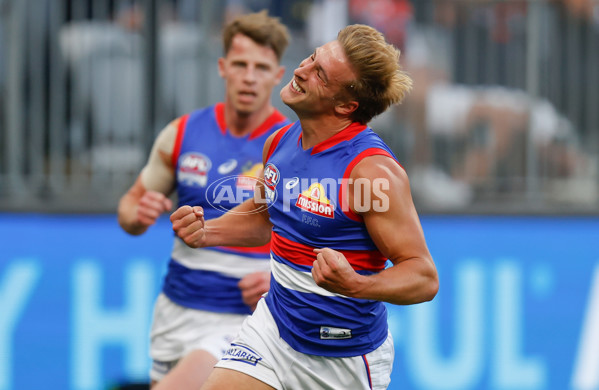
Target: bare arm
(139, 208)
(240, 226)
(247, 224)
(394, 226)
(147, 199)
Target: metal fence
(502, 119)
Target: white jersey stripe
(227, 264)
(297, 280)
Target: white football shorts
(178, 330)
(258, 351)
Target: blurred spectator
(472, 140)
(119, 30)
(102, 46)
(388, 16)
(3, 45)
(583, 9)
(293, 13)
(572, 61)
(325, 20)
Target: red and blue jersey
(216, 170)
(307, 195)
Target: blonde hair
(380, 80)
(260, 28)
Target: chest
(306, 191)
(215, 168)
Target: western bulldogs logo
(193, 169)
(271, 178)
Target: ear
(221, 67)
(345, 109)
(280, 74)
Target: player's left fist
(332, 271)
(188, 224)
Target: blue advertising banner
(518, 305)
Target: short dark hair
(259, 27)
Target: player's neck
(241, 124)
(317, 130)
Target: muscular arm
(245, 225)
(147, 199)
(394, 226)
(240, 226)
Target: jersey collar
(275, 117)
(344, 135)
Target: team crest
(271, 178)
(193, 169)
(315, 201)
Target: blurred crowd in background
(502, 118)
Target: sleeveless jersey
(307, 195)
(217, 171)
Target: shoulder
(380, 166)
(167, 136)
(272, 141)
(368, 138)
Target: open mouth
(296, 87)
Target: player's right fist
(151, 205)
(188, 224)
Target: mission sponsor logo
(193, 169)
(314, 201)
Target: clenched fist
(151, 205)
(332, 271)
(188, 224)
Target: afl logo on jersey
(193, 169)
(271, 178)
